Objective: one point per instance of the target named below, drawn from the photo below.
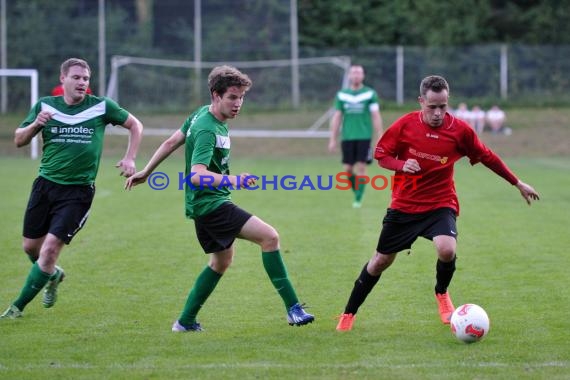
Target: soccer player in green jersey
(357, 109)
(218, 221)
(72, 127)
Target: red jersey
(436, 150)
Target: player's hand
(135, 179)
(527, 192)
(332, 146)
(126, 166)
(411, 166)
(246, 180)
(42, 118)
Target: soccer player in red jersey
(425, 144)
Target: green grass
(130, 269)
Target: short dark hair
(223, 77)
(435, 83)
(74, 62)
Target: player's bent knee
(446, 254)
(221, 265)
(270, 241)
(31, 248)
(379, 263)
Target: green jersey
(73, 138)
(207, 143)
(356, 107)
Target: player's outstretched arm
(527, 192)
(162, 152)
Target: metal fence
(32, 38)
(488, 73)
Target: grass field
(130, 269)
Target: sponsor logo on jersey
(428, 156)
(80, 130)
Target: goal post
(147, 82)
(33, 75)
(119, 61)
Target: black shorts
(354, 151)
(217, 230)
(61, 210)
(400, 230)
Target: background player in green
(218, 222)
(358, 110)
(72, 128)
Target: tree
(348, 24)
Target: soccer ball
(469, 323)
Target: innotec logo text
(80, 130)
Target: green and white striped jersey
(73, 138)
(207, 143)
(356, 107)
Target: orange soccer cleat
(445, 307)
(345, 322)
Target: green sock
(358, 193)
(352, 180)
(35, 282)
(203, 287)
(275, 268)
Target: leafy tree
(346, 23)
(43, 34)
(39, 35)
(547, 23)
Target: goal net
(32, 75)
(161, 85)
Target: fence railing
(483, 73)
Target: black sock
(443, 275)
(362, 286)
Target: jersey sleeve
(386, 148)
(387, 145)
(471, 146)
(189, 121)
(204, 143)
(185, 126)
(114, 113)
(374, 104)
(34, 111)
(477, 152)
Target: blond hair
(67, 64)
